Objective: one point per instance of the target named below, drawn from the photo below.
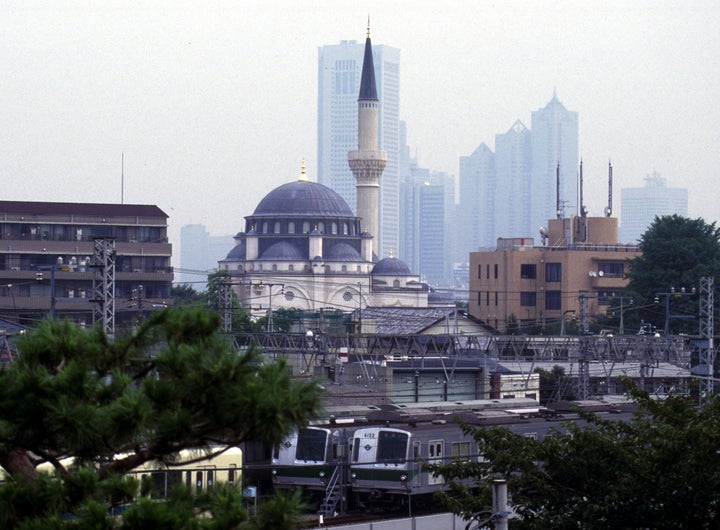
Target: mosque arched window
(276, 229)
(265, 228)
(291, 227)
(240, 268)
(334, 229)
(345, 229)
(396, 283)
(274, 267)
(321, 227)
(306, 227)
(291, 267)
(344, 268)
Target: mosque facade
(303, 248)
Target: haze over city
(214, 104)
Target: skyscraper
(554, 138)
(640, 206)
(339, 75)
(476, 214)
(513, 165)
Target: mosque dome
(391, 267)
(282, 251)
(343, 252)
(237, 252)
(303, 198)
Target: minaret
(367, 162)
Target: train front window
(311, 445)
(392, 446)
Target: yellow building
(580, 265)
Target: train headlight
(403, 477)
(353, 475)
(274, 471)
(321, 474)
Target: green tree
(186, 296)
(676, 253)
(174, 384)
(659, 470)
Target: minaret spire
(368, 162)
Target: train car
(194, 469)
(309, 458)
(387, 463)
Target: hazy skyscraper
(554, 139)
(513, 164)
(339, 74)
(476, 216)
(640, 206)
(199, 254)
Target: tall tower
(339, 73)
(367, 162)
(554, 140)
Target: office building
(579, 268)
(477, 206)
(47, 260)
(512, 184)
(640, 206)
(554, 139)
(339, 75)
(199, 255)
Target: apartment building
(47, 262)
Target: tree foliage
(174, 384)
(660, 470)
(676, 253)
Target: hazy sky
(215, 103)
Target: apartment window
(611, 269)
(553, 272)
(496, 298)
(496, 271)
(487, 298)
(479, 297)
(528, 271)
(553, 300)
(528, 298)
(487, 271)
(479, 272)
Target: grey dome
(303, 198)
(391, 267)
(282, 250)
(343, 252)
(237, 253)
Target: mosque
(303, 248)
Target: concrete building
(339, 75)
(578, 269)
(640, 206)
(46, 259)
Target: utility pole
(707, 351)
(674, 294)
(104, 283)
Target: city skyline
(214, 105)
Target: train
(198, 469)
(379, 460)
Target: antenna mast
(122, 178)
(608, 209)
(558, 211)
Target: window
(487, 271)
(479, 297)
(527, 298)
(291, 227)
(496, 298)
(479, 272)
(306, 227)
(392, 446)
(460, 451)
(289, 296)
(553, 300)
(496, 271)
(553, 272)
(611, 269)
(487, 298)
(276, 227)
(333, 228)
(528, 271)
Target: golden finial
(368, 27)
(391, 252)
(303, 176)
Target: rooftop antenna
(583, 208)
(368, 26)
(558, 211)
(608, 208)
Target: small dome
(303, 198)
(343, 252)
(237, 253)
(391, 267)
(282, 250)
